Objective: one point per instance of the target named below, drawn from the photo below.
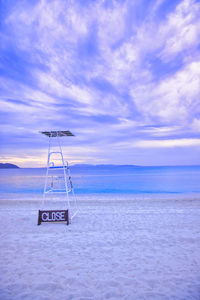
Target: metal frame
(64, 168)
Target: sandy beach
(119, 248)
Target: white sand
(119, 249)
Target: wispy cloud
(109, 71)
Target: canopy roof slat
(55, 133)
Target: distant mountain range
(8, 166)
(103, 165)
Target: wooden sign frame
(53, 216)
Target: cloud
(174, 99)
(167, 143)
(182, 30)
(107, 70)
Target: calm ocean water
(107, 180)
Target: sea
(154, 181)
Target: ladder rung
(56, 191)
(60, 167)
(55, 152)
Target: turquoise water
(108, 179)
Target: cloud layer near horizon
(124, 76)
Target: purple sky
(123, 76)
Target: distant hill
(8, 166)
(103, 166)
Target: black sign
(53, 216)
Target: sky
(123, 76)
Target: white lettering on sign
(44, 216)
(53, 216)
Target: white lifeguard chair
(58, 182)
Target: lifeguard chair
(58, 183)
